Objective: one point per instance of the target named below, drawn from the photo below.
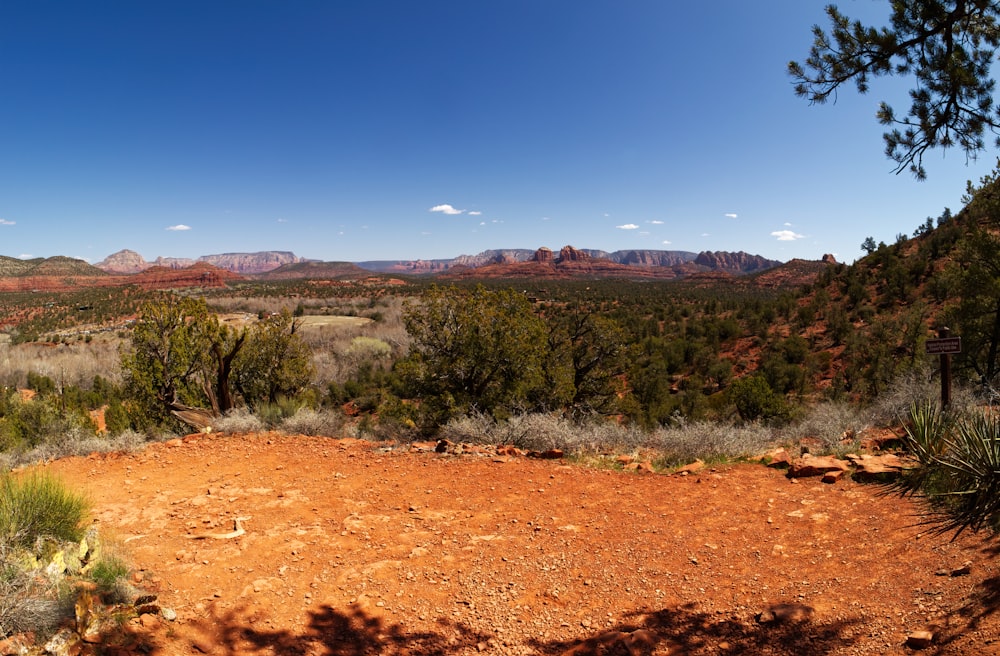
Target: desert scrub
(711, 442)
(306, 421)
(37, 515)
(239, 420)
(958, 470)
(37, 507)
(110, 574)
(834, 427)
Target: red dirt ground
(354, 548)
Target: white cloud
(475, 213)
(6, 222)
(180, 227)
(706, 234)
(282, 220)
(627, 226)
(732, 215)
(786, 235)
(445, 209)
(656, 222)
(788, 224)
(25, 256)
(667, 242)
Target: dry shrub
(26, 605)
(541, 432)
(830, 423)
(893, 405)
(239, 420)
(306, 421)
(77, 442)
(712, 442)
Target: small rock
(692, 468)
(149, 621)
(64, 643)
(964, 570)
(919, 639)
(777, 458)
(785, 613)
(832, 477)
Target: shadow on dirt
(982, 602)
(350, 632)
(787, 629)
(353, 632)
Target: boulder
(810, 465)
(884, 467)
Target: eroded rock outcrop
(738, 262)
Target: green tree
(947, 46)
(974, 278)
(182, 357)
(276, 362)
(480, 349)
(169, 344)
(868, 245)
(754, 399)
(588, 354)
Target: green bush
(38, 507)
(110, 574)
(754, 399)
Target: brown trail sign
(945, 346)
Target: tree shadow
(982, 603)
(331, 632)
(790, 630)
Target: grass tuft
(38, 507)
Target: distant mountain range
(733, 263)
(127, 267)
(284, 263)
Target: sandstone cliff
(128, 261)
(737, 263)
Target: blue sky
(396, 129)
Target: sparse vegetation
(597, 365)
(36, 508)
(38, 515)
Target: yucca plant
(958, 468)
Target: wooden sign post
(945, 346)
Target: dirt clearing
(345, 547)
